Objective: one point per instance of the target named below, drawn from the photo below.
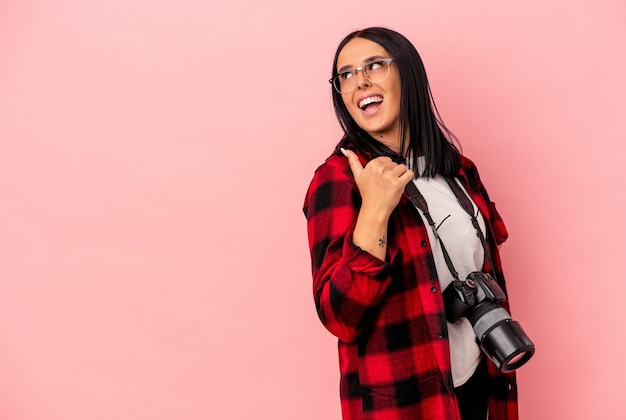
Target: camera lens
(517, 358)
(507, 345)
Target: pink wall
(155, 154)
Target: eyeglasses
(374, 71)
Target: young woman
(378, 269)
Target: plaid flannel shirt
(388, 315)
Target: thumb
(353, 160)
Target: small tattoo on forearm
(382, 242)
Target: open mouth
(370, 100)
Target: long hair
(420, 123)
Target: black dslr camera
(501, 338)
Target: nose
(361, 80)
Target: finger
(388, 165)
(382, 159)
(398, 170)
(353, 160)
(382, 164)
(407, 177)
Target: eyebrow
(367, 60)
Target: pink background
(155, 155)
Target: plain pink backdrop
(155, 155)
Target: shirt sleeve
(348, 283)
(498, 227)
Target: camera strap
(419, 201)
(466, 205)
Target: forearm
(370, 233)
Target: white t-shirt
(455, 228)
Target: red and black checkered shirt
(389, 316)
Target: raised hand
(381, 184)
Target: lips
(365, 103)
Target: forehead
(359, 50)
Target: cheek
(396, 100)
(352, 110)
(347, 100)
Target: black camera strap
(466, 205)
(419, 201)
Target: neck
(393, 142)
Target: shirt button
(433, 289)
(440, 334)
(424, 243)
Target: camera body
(502, 339)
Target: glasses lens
(345, 82)
(377, 71)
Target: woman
(378, 269)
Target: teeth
(365, 102)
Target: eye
(375, 65)
(345, 75)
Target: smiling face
(374, 106)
